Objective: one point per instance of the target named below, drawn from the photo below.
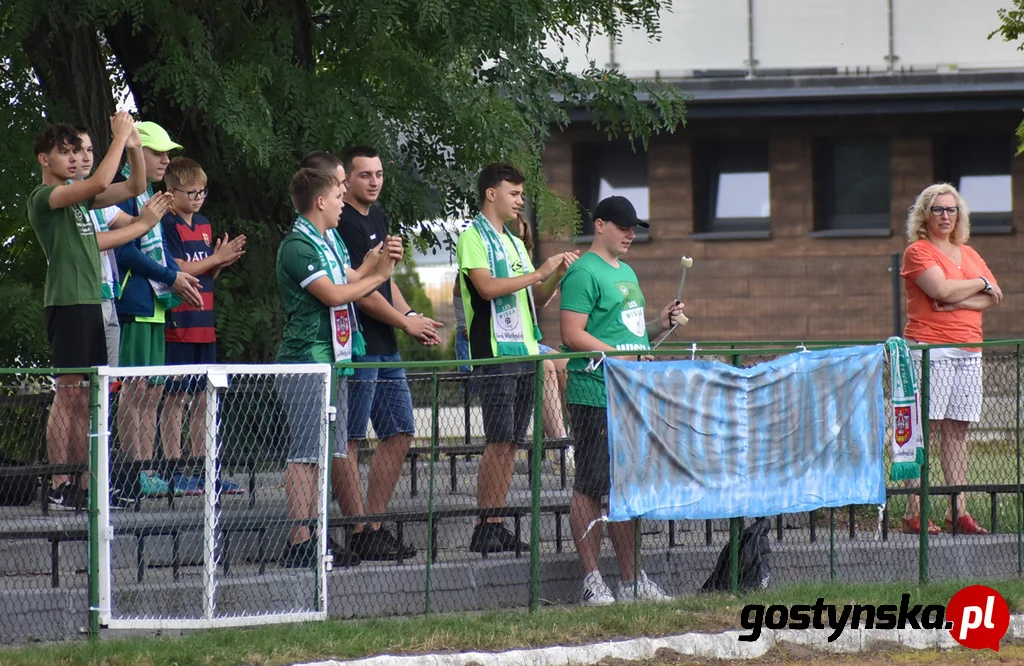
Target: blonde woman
(948, 287)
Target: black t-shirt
(361, 233)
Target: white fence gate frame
(217, 377)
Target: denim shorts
(506, 400)
(462, 348)
(302, 397)
(188, 353)
(380, 396)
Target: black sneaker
(343, 557)
(119, 501)
(299, 555)
(62, 497)
(379, 545)
(494, 538)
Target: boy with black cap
(602, 309)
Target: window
(732, 187)
(852, 187)
(602, 170)
(979, 166)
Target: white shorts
(954, 384)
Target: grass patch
(490, 631)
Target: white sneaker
(646, 590)
(595, 592)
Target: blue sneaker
(188, 485)
(229, 488)
(152, 485)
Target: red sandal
(965, 524)
(913, 526)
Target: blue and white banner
(702, 439)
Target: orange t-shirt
(926, 325)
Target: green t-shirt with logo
(612, 298)
(471, 254)
(68, 237)
(307, 326)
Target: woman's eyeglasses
(952, 211)
(196, 195)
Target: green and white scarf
(506, 319)
(346, 338)
(110, 288)
(152, 245)
(906, 442)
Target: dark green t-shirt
(612, 298)
(307, 327)
(68, 237)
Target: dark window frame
(586, 180)
(950, 168)
(711, 160)
(827, 221)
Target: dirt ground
(1011, 653)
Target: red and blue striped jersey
(187, 323)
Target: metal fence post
(535, 484)
(430, 484)
(94, 507)
(925, 501)
(1020, 508)
(734, 535)
(897, 284)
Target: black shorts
(590, 431)
(77, 335)
(506, 400)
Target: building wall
(847, 35)
(793, 285)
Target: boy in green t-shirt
(498, 284)
(58, 210)
(317, 285)
(603, 310)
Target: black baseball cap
(619, 211)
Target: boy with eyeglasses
(190, 337)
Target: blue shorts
(188, 353)
(380, 395)
(544, 349)
(302, 398)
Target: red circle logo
(978, 617)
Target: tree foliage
(1011, 29)
(248, 87)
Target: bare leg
(346, 484)
(914, 501)
(129, 425)
(554, 422)
(495, 476)
(300, 487)
(63, 428)
(623, 536)
(385, 469)
(953, 458)
(197, 425)
(148, 418)
(170, 424)
(584, 510)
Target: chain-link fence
(226, 500)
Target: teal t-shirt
(612, 298)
